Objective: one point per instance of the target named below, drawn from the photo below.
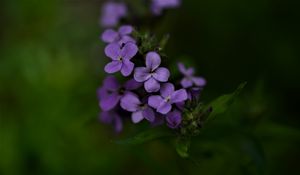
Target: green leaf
(182, 146)
(221, 104)
(146, 136)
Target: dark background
(52, 63)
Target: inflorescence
(148, 94)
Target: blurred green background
(52, 63)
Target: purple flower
(173, 119)
(158, 6)
(189, 79)
(163, 103)
(120, 58)
(113, 118)
(193, 84)
(112, 12)
(152, 74)
(130, 102)
(111, 92)
(121, 36)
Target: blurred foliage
(52, 63)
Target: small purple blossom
(152, 74)
(113, 118)
(112, 12)
(130, 102)
(189, 79)
(121, 36)
(112, 92)
(193, 84)
(168, 96)
(158, 6)
(120, 58)
(174, 119)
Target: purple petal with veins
(141, 74)
(152, 60)
(113, 51)
(130, 102)
(125, 30)
(162, 74)
(110, 36)
(151, 85)
(155, 100)
(129, 51)
(127, 67)
(167, 90)
(113, 67)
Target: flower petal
(125, 30)
(111, 13)
(179, 96)
(125, 39)
(109, 20)
(162, 74)
(130, 102)
(152, 85)
(132, 84)
(174, 119)
(109, 102)
(111, 83)
(199, 81)
(101, 92)
(167, 89)
(156, 10)
(127, 67)
(120, 9)
(186, 83)
(154, 101)
(113, 67)
(181, 68)
(185, 71)
(153, 60)
(164, 107)
(129, 50)
(136, 117)
(141, 74)
(190, 71)
(148, 114)
(110, 36)
(167, 3)
(113, 51)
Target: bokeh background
(52, 63)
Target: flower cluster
(148, 93)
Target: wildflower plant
(151, 92)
